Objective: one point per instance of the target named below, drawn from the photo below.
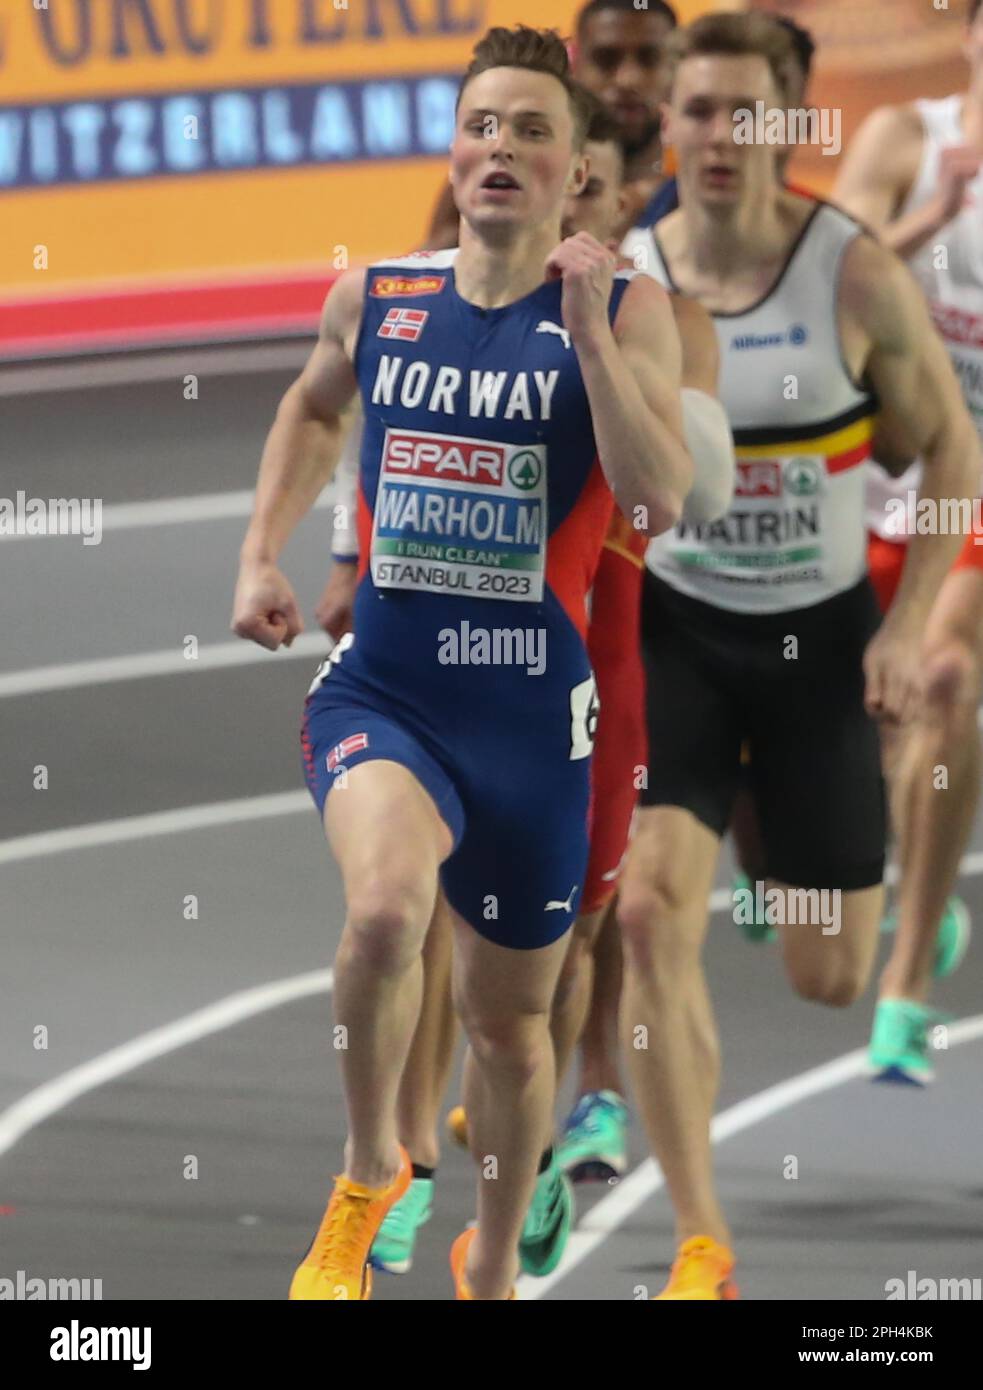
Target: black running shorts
(717, 678)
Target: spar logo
(758, 478)
(803, 477)
(525, 471)
(454, 459)
(391, 286)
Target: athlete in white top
(914, 174)
(759, 627)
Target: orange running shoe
(701, 1271)
(336, 1266)
(457, 1126)
(459, 1258)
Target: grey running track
(101, 947)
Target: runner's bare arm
(304, 443)
(300, 455)
(919, 399)
(706, 428)
(891, 449)
(698, 339)
(877, 173)
(633, 390)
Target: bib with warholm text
(460, 515)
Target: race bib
(584, 709)
(772, 533)
(460, 515)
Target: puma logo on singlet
(547, 326)
(567, 906)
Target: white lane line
(46, 1100)
(174, 511)
(95, 834)
(72, 675)
(647, 1179)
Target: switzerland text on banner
(150, 144)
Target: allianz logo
(794, 336)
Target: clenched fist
(587, 271)
(891, 670)
(334, 608)
(265, 608)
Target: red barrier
(165, 315)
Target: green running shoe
(594, 1147)
(760, 929)
(392, 1249)
(548, 1221)
(899, 1047)
(952, 942)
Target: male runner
(619, 752)
(914, 174)
(595, 1141)
(763, 626)
(795, 82)
(594, 1144)
(502, 409)
(618, 54)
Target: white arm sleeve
(711, 447)
(344, 538)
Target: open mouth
(500, 181)
(719, 173)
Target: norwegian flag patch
(354, 744)
(403, 323)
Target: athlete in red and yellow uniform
(619, 746)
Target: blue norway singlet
(482, 511)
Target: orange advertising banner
(175, 169)
(157, 138)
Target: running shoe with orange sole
(336, 1266)
(700, 1273)
(459, 1258)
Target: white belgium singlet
(949, 268)
(794, 535)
